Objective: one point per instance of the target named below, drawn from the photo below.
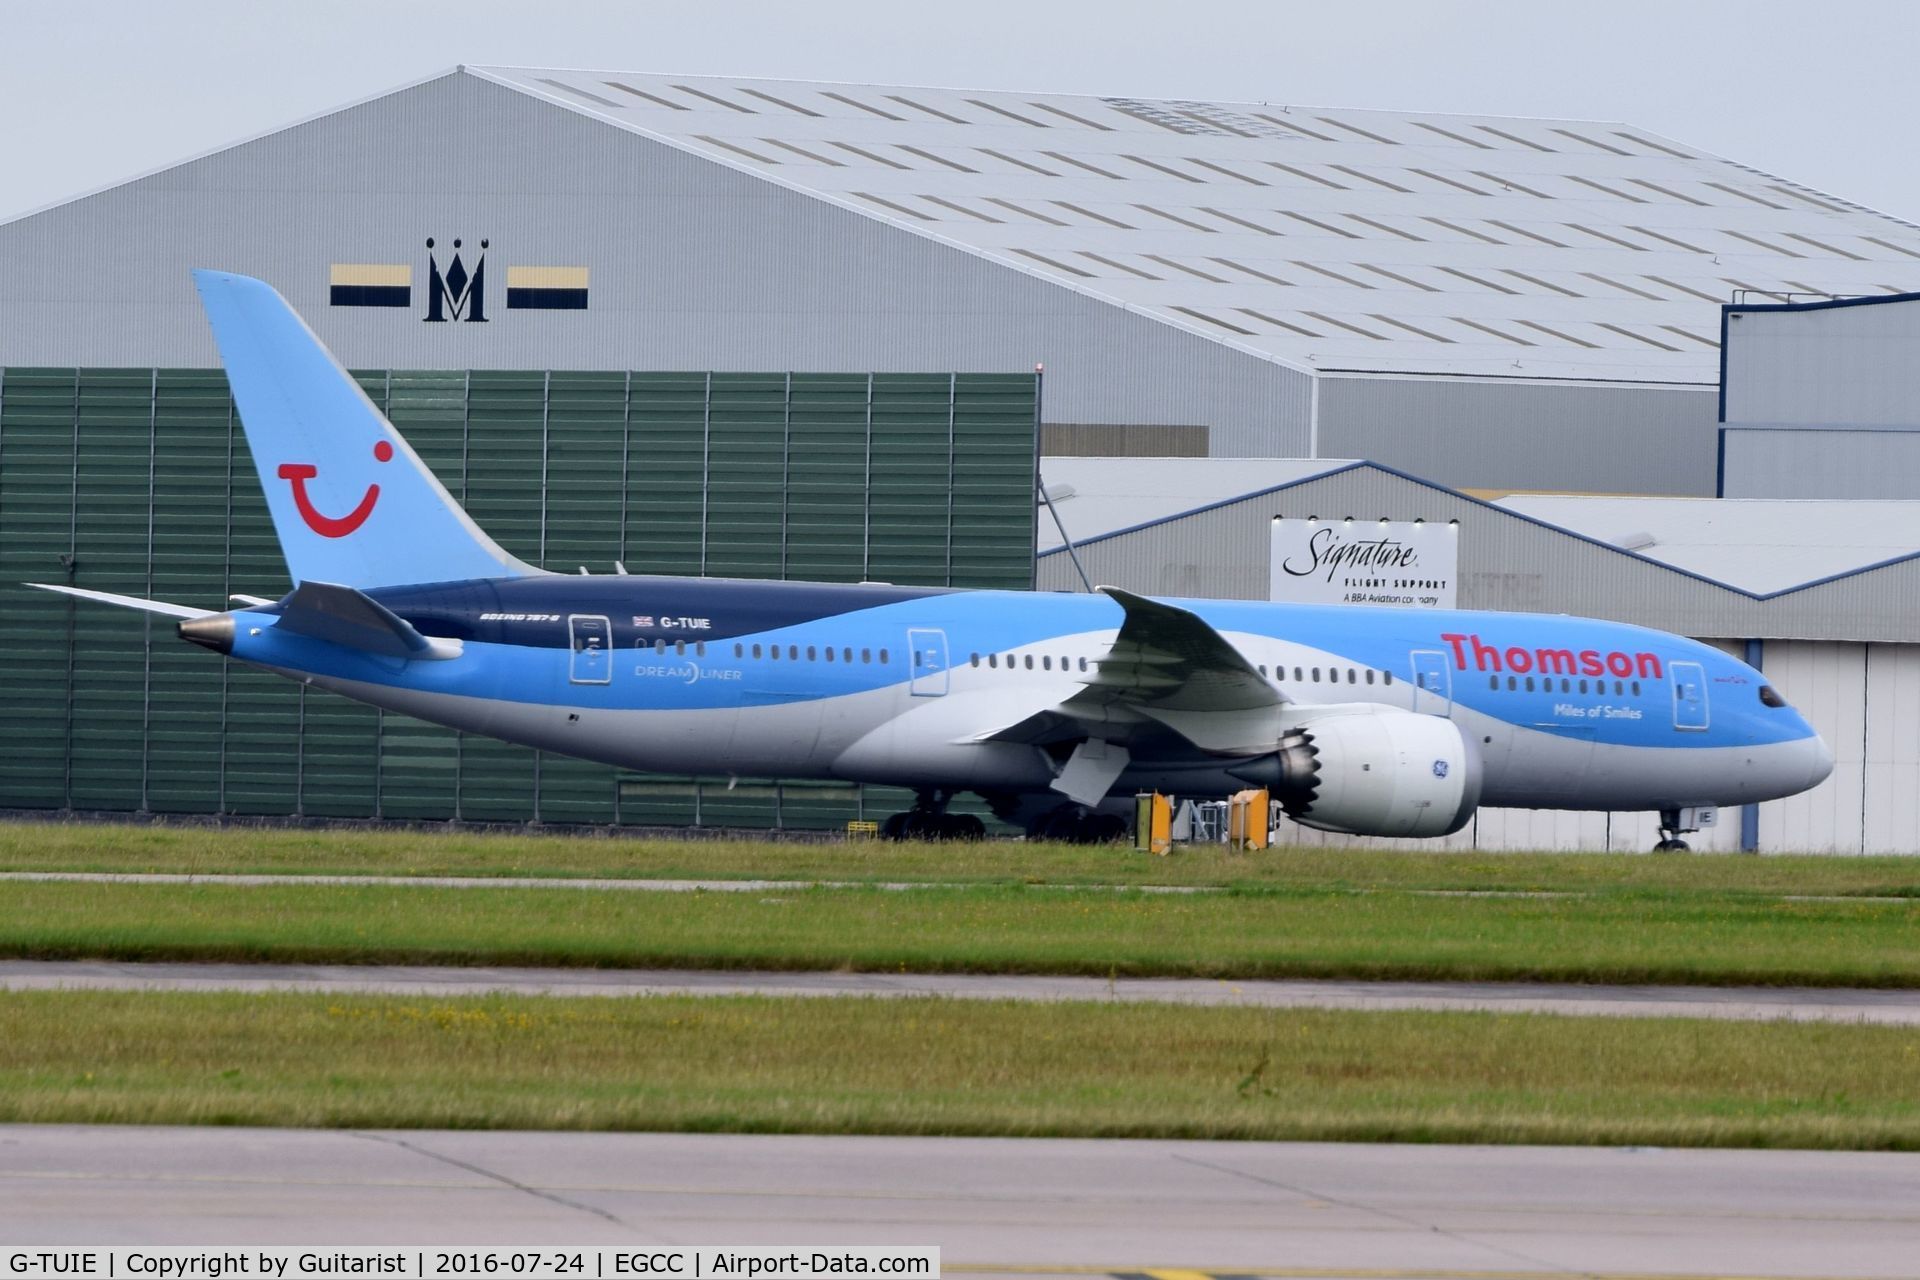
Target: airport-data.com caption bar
(449, 1262)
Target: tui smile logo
(296, 474)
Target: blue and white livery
(1379, 722)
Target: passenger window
(660, 646)
(756, 651)
(1029, 662)
(1083, 664)
(1316, 675)
(1353, 677)
(974, 659)
(883, 657)
(1369, 675)
(739, 651)
(1386, 677)
(813, 654)
(1636, 692)
(829, 653)
(1566, 685)
(1513, 682)
(1529, 684)
(1047, 662)
(700, 649)
(866, 655)
(679, 648)
(1618, 688)
(1583, 686)
(793, 653)
(1493, 682)
(773, 652)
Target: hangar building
(1490, 302)
(1821, 595)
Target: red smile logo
(298, 473)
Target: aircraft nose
(1819, 760)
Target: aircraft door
(1432, 682)
(1689, 695)
(927, 663)
(592, 638)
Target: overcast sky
(95, 91)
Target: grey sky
(94, 91)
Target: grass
(207, 851)
(1641, 936)
(749, 1064)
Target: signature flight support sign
(1405, 563)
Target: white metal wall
(1844, 365)
(1820, 462)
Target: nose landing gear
(1670, 833)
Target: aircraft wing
(127, 602)
(1166, 669)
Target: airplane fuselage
(900, 686)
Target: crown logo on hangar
(456, 287)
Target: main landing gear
(929, 820)
(1670, 833)
(1076, 824)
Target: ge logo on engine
(1439, 768)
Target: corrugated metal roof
(1757, 544)
(1376, 241)
(1097, 497)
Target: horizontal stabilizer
(340, 615)
(127, 602)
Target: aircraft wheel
(964, 826)
(895, 827)
(1105, 828)
(1671, 846)
(1064, 824)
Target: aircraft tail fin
(351, 501)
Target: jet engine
(1373, 772)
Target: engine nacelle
(1374, 772)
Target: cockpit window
(1769, 698)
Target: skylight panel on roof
(960, 208)
(1487, 328)
(868, 155)
(802, 151)
(1638, 337)
(1602, 235)
(860, 106)
(1174, 217)
(897, 208)
(1089, 213)
(1487, 284)
(1377, 225)
(1744, 195)
(1522, 231)
(1651, 145)
(1755, 240)
(794, 107)
(1821, 244)
(1158, 114)
(1255, 272)
(1325, 271)
(1689, 290)
(1669, 192)
(1544, 284)
(1368, 177)
(1036, 216)
(716, 99)
(1161, 168)
(582, 94)
(1226, 172)
(935, 112)
(1342, 324)
(1302, 173)
(1593, 142)
(1394, 275)
(1514, 137)
(1555, 333)
(1688, 334)
(1278, 323)
(1601, 186)
(1888, 244)
(984, 105)
(1055, 264)
(1410, 328)
(1017, 163)
(1354, 128)
(642, 93)
(940, 160)
(1181, 266)
(736, 148)
(1213, 320)
(1290, 127)
(1451, 182)
(1117, 265)
(1064, 114)
(1802, 195)
(1238, 220)
(1677, 243)
(1327, 227)
(1457, 137)
(1471, 235)
(1624, 288)
(1082, 164)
